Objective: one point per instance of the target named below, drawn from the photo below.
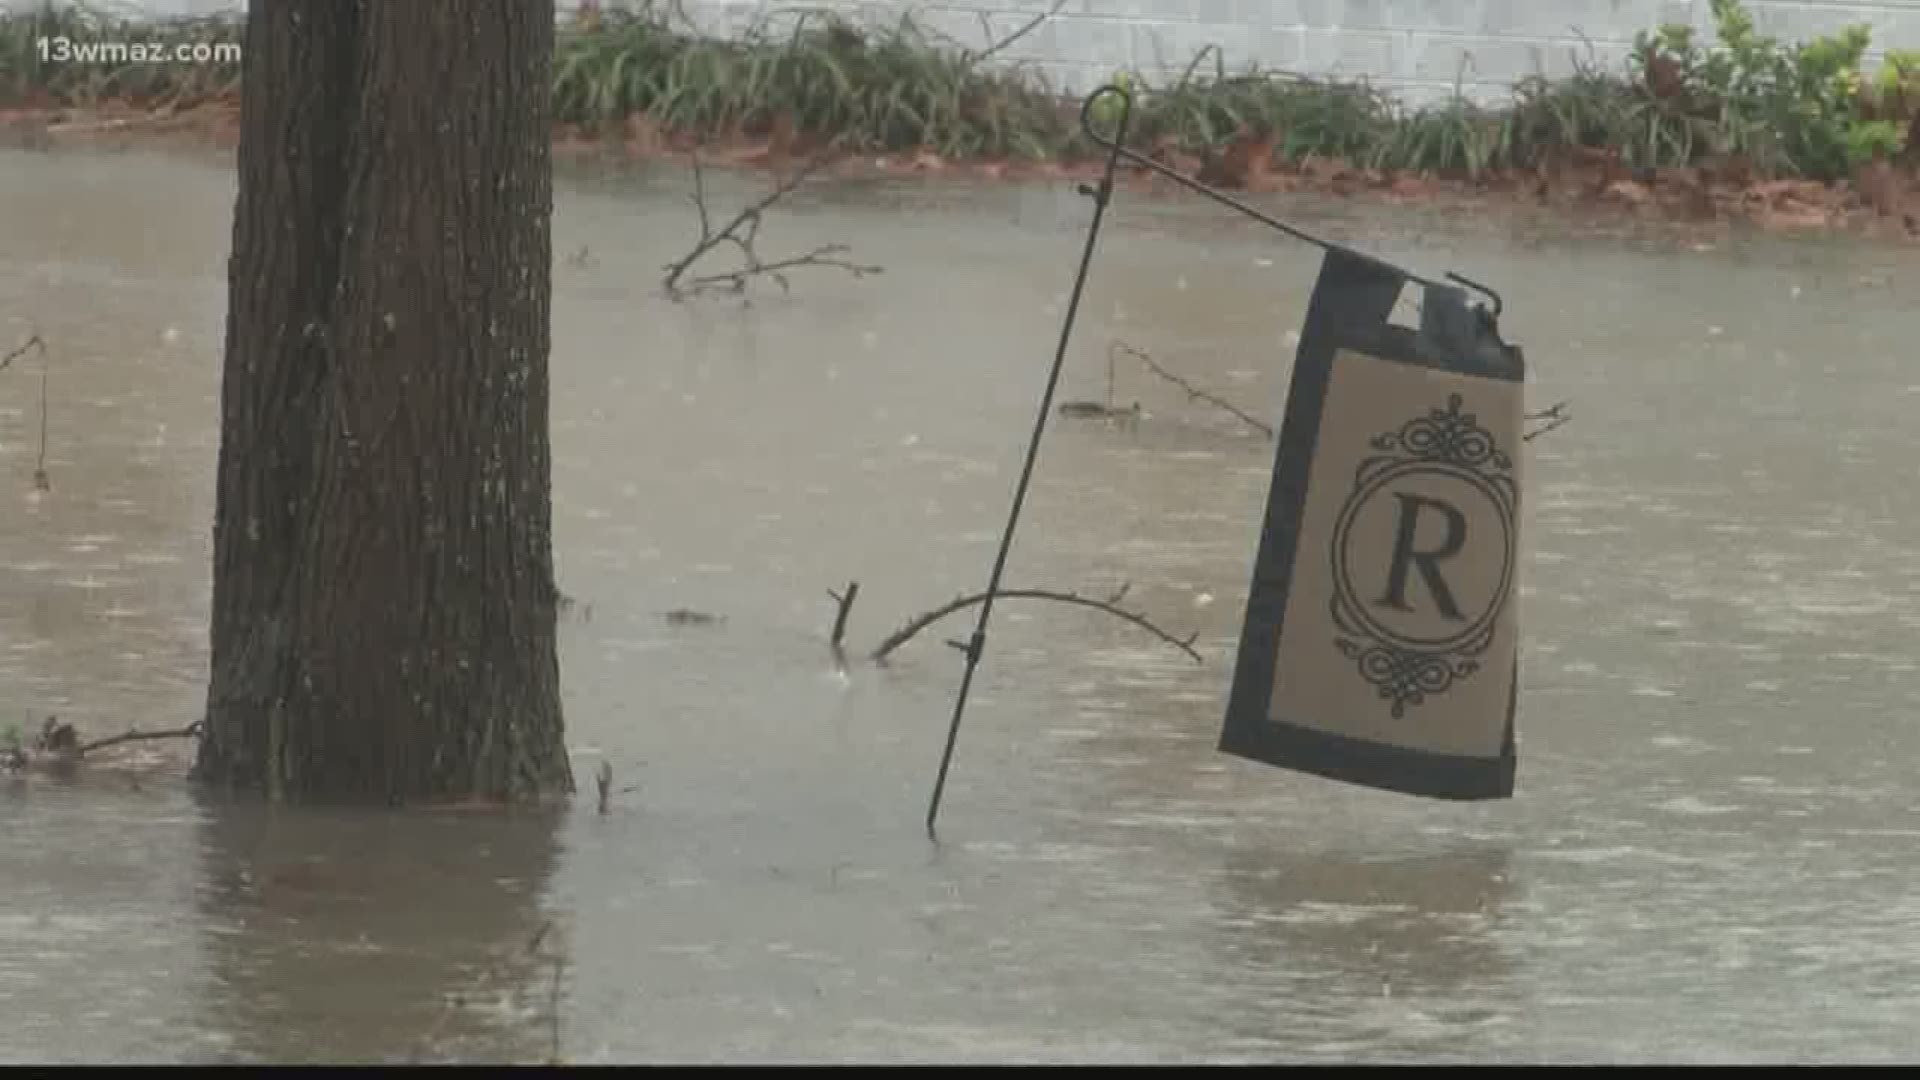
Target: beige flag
(1381, 644)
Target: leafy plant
(1899, 71)
(1792, 108)
(1803, 109)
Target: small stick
(558, 960)
(605, 780)
(40, 479)
(1554, 417)
(33, 342)
(1193, 391)
(136, 735)
(1110, 605)
(742, 231)
(845, 600)
(736, 280)
(553, 1009)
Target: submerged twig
(1096, 410)
(33, 342)
(191, 731)
(1193, 392)
(1548, 419)
(502, 969)
(558, 959)
(1093, 410)
(553, 1008)
(539, 937)
(742, 232)
(845, 602)
(41, 481)
(1111, 605)
(59, 744)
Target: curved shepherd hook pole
(1116, 149)
(1102, 195)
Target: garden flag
(1380, 644)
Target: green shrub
(1791, 109)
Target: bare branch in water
(504, 970)
(1548, 419)
(191, 731)
(845, 602)
(1110, 605)
(843, 608)
(33, 342)
(553, 1007)
(41, 481)
(59, 744)
(1193, 392)
(742, 232)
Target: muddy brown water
(1714, 854)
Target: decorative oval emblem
(1423, 555)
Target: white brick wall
(1417, 47)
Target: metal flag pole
(1117, 148)
(1102, 195)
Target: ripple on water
(1680, 742)
(1595, 856)
(1691, 806)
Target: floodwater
(1714, 854)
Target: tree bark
(383, 601)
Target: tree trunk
(383, 598)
